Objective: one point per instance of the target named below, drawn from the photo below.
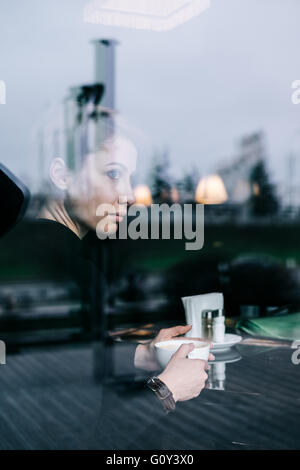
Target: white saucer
(230, 340)
(226, 356)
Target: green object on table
(280, 327)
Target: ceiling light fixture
(156, 15)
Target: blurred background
(207, 92)
(210, 102)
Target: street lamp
(211, 190)
(142, 195)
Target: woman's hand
(170, 333)
(145, 353)
(185, 377)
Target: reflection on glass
(217, 373)
(155, 15)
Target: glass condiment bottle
(207, 324)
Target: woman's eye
(114, 174)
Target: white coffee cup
(165, 349)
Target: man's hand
(185, 377)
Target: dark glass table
(50, 400)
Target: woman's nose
(130, 197)
(127, 195)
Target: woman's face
(104, 179)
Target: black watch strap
(162, 392)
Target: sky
(195, 90)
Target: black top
(42, 249)
(14, 197)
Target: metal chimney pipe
(105, 69)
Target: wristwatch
(162, 392)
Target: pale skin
(184, 377)
(104, 178)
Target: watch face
(158, 387)
(154, 384)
